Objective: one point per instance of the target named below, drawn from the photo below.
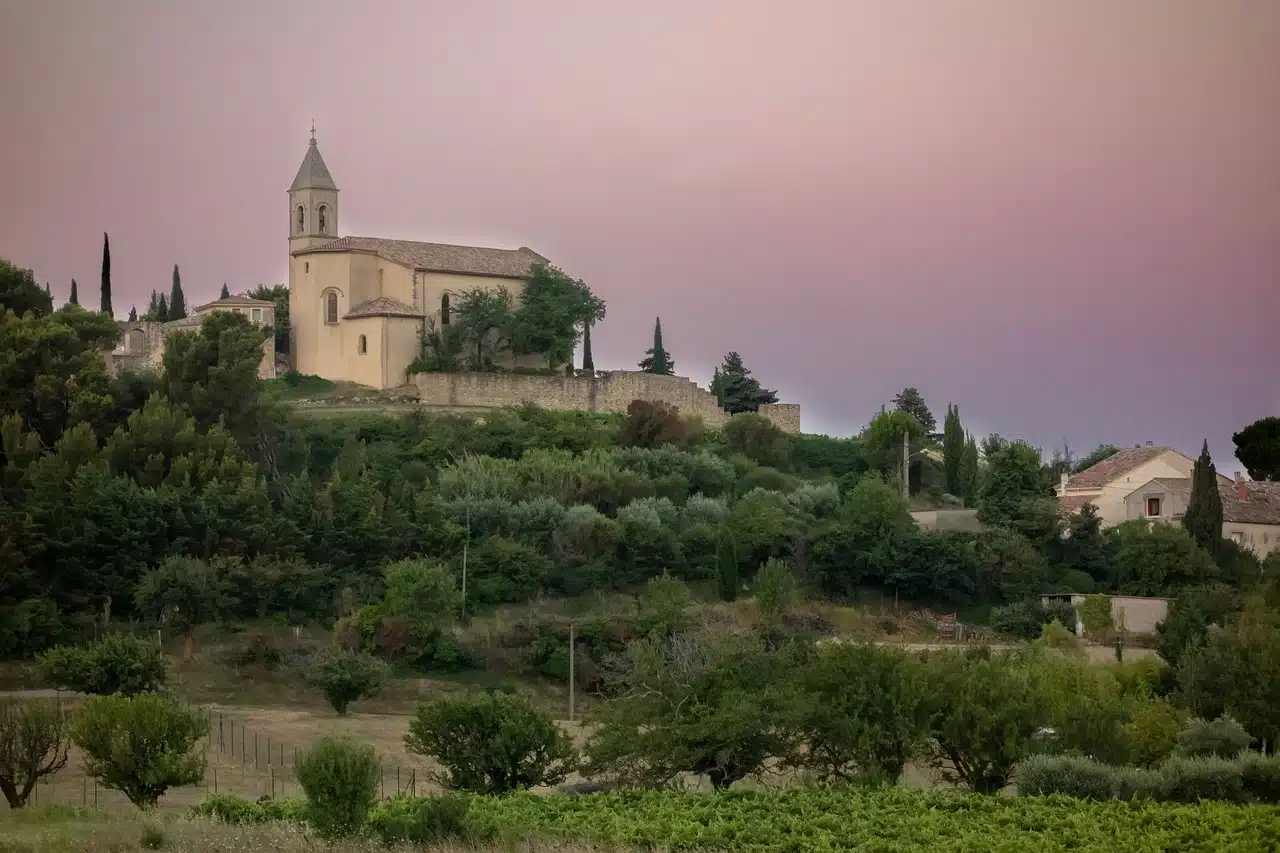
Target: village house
(1250, 510)
(142, 342)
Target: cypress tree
(225, 293)
(953, 451)
(177, 300)
(726, 565)
(133, 314)
(1203, 518)
(162, 310)
(47, 291)
(969, 471)
(153, 307)
(588, 363)
(75, 296)
(106, 274)
(656, 358)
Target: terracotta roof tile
(440, 257)
(1259, 505)
(237, 300)
(1115, 466)
(383, 306)
(1072, 504)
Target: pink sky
(1064, 216)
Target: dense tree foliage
(1258, 447)
(736, 389)
(1203, 518)
(656, 358)
(19, 292)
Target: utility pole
(572, 649)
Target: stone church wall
(606, 392)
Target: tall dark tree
(1203, 518)
(162, 310)
(48, 292)
(177, 299)
(106, 274)
(153, 307)
(953, 451)
(1258, 447)
(19, 292)
(656, 358)
(75, 295)
(225, 292)
(133, 314)
(969, 471)
(736, 389)
(588, 362)
(912, 402)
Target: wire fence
(240, 760)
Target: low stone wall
(606, 392)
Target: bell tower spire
(313, 201)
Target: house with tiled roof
(1250, 509)
(1108, 484)
(358, 305)
(142, 342)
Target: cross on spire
(313, 130)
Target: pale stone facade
(142, 342)
(605, 392)
(1107, 484)
(1137, 614)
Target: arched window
(302, 218)
(331, 308)
(323, 217)
(444, 310)
(364, 345)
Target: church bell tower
(313, 201)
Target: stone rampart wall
(606, 392)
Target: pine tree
(75, 295)
(736, 389)
(225, 292)
(48, 292)
(912, 402)
(162, 310)
(106, 274)
(726, 565)
(177, 299)
(656, 358)
(153, 307)
(588, 363)
(953, 451)
(1203, 518)
(133, 314)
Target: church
(358, 305)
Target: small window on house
(302, 218)
(257, 316)
(331, 308)
(363, 345)
(306, 266)
(323, 217)
(1153, 507)
(444, 310)
(1237, 536)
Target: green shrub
(152, 837)
(1261, 776)
(117, 663)
(345, 676)
(491, 744)
(1077, 581)
(1152, 731)
(1042, 775)
(1189, 780)
(228, 808)
(140, 745)
(1022, 619)
(1222, 738)
(33, 745)
(421, 820)
(1136, 783)
(340, 779)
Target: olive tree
(33, 744)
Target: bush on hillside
(1222, 738)
(140, 745)
(228, 808)
(421, 820)
(118, 663)
(1022, 619)
(490, 744)
(1261, 776)
(1189, 780)
(346, 676)
(1074, 776)
(340, 779)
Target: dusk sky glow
(1064, 216)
